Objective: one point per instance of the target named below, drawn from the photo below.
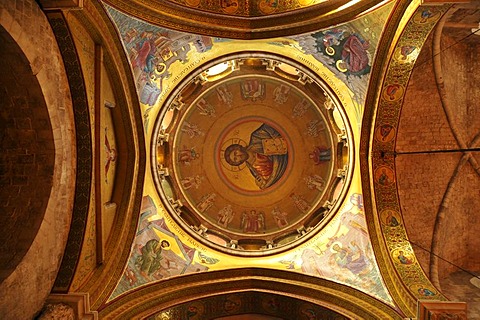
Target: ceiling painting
(341, 252)
(107, 149)
(346, 53)
(158, 252)
(348, 50)
(210, 106)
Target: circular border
(323, 214)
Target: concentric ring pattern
(251, 154)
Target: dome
(251, 153)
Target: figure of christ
(266, 155)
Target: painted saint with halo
(265, 156)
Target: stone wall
(38, 132)
(27, 157)
(437, 161)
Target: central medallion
(251, 155)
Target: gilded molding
(129, 129)
(402, 275)
(182, 18)
(156, 297)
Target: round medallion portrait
(249, 157)
(253, 155)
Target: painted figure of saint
(320, 154)
(426, 292)
(315, 182)
(253, 89)
(384, 177)
(391, 220)
(191, 182)
(403, 258)
(355, 55)
(186, 156)
(149, 261)
(347, 49)
(300, 202)
(253, 221)
(225, 216)
(281, 94)
(351, 258)
(280, 217)
(224, 95)
(229, 6)
(206, 202)
(206, 109)
(266, 155)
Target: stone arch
(46, 132)
(27, 160)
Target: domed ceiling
(226, 176)
(252, 153)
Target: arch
(249, 26)
(36, 271)
(27, 160)
(160, 296)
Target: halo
(338, 64)
(330, 51)
(159, 245)
(162, 70)
(225, 145)
(333, 244)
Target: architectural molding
(193, 20)
(84, 150)
(171, 292)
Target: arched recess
(127, 184)
(45, 127)
(249, 305)
(157, 297)
(28, 155)
(443, 226)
